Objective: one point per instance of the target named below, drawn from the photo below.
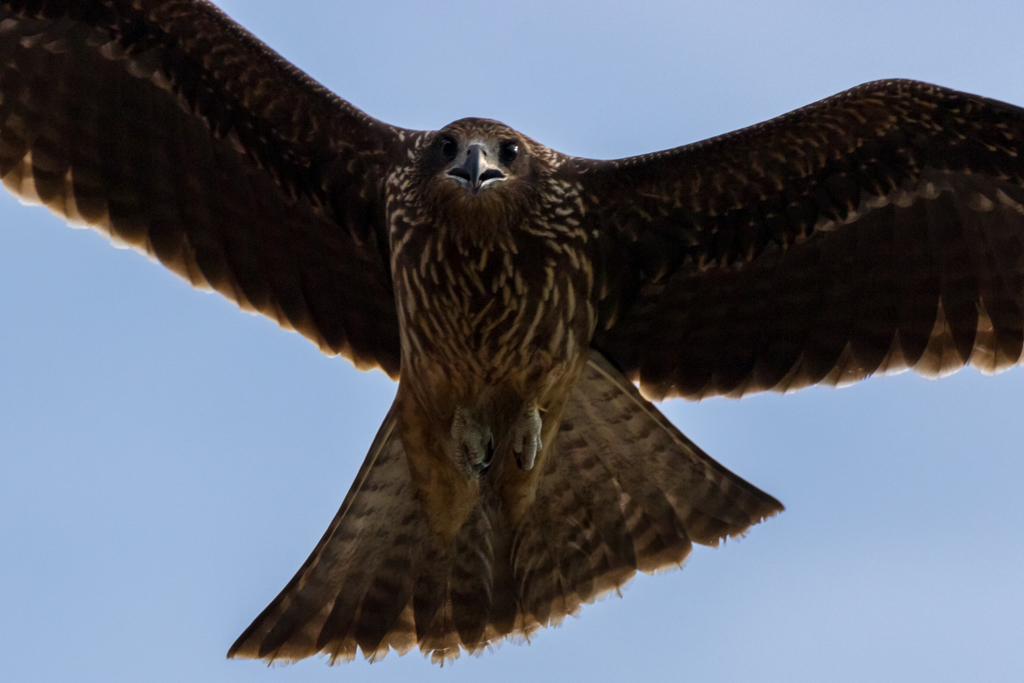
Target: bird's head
(479, 171)
(478, 155)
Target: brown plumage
(518, 293)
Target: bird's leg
(473, 443)
(526, 437)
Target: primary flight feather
(518, 294)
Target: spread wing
(179, 134)
(877, 230)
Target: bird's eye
(508, 152)
(449, 148)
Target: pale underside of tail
(623, 491)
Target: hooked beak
(477, 171)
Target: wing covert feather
(168, 127)
(875, 231)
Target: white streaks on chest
(488, 311)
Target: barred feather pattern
(878, 230)
(929, 279)
(176, 133)
(622, 491)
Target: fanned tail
(623, 491)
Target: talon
(473, 444)
(526, 438)
(490, 453)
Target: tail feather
(623, 491)
(368, 550)
(654, 461)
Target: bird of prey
(529, 303)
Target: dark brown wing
(177, 133)
(877, 230)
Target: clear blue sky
(167, 463)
